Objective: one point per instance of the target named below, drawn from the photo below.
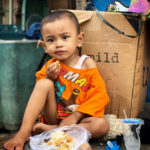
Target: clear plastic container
(131, 136)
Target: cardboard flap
(83, 16)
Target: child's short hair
(58, 14)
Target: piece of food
(57, 63)
(60, 139)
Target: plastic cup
(131, 136)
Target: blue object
(104, 5)
(109, 5)
(89, 5)
(133, 121)
(34, 31)
(60, 89)
(148, 92)
(112, 145)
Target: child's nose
(59, 43)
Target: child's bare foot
(17, 142)
(41, 127)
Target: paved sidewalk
(96, 145)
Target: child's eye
(50, 40)
(65, 37)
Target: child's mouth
(59, 52)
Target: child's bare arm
(53, 70)
(72, 119)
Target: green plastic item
(148, 16)
(18, 63)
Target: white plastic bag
(79, 134)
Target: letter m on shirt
(71, 76)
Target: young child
(69, 89)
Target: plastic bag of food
(61, 138)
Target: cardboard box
(122, 61)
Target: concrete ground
(97, 144)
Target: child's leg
(43, 96)
(97, 126)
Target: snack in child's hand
(57, 63)
(60, 139)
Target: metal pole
(23, 19)
(10, 12)
(1, 14)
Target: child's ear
(41, 43)
(80, 39)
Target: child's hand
(53, 70)
(72, 119)
(69, 121)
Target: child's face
(61, 39)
